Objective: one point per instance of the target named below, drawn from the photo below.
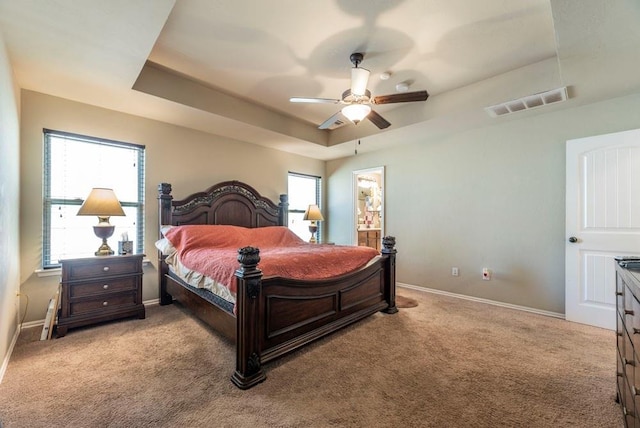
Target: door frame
(354, 195)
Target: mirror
(368, 185)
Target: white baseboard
(40, 323)
(5, 363)
(481, 300)
(36, 323)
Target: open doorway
(368, 209)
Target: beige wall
(9, 205)
(490, 197)
(189, 160)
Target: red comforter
(213, 251)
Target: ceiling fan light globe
(356, 112)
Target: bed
(271, 315)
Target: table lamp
(314, 215)
(103, 204)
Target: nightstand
(98, 289)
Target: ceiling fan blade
(335, 121)
(378, 120)
(401, 98)
(314, 100)
(359, 80)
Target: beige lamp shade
(313, 213)
(101, 202)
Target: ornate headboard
(230, 202)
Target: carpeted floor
(443, 363)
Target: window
(73, 165)
(303, 190)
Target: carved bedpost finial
(389, 252)
(249, 280)
(164, 188)
(389, 242)
(283, 214)
(249, 257)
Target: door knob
(573, 239)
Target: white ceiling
(229, 67)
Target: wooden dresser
(98, 289)
(628, 338)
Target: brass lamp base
(104, 232)
(313, 228)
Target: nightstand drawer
(102, 304)
(101, 266)
(103, 286)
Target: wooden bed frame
(273, 315)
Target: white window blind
(303, 190)
(73, 165)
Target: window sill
(43, 273)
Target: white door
(603, 221)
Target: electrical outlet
(454, 271)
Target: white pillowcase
(164, 245)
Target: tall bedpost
(164, 216)
(249, 279)
(389, 251)
(283, 215)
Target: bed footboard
(277, 315)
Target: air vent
(336, 124)
(529, 102)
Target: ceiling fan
(358, 100)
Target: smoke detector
(529, 102)
(402, 87)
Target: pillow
(163, 244)
(204, 235)
(165, 247)
(189, 237)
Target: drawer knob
(619, 293)
(106, 286)
(105, 303)
(636, 330)
(106, 268)
(628, 312)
